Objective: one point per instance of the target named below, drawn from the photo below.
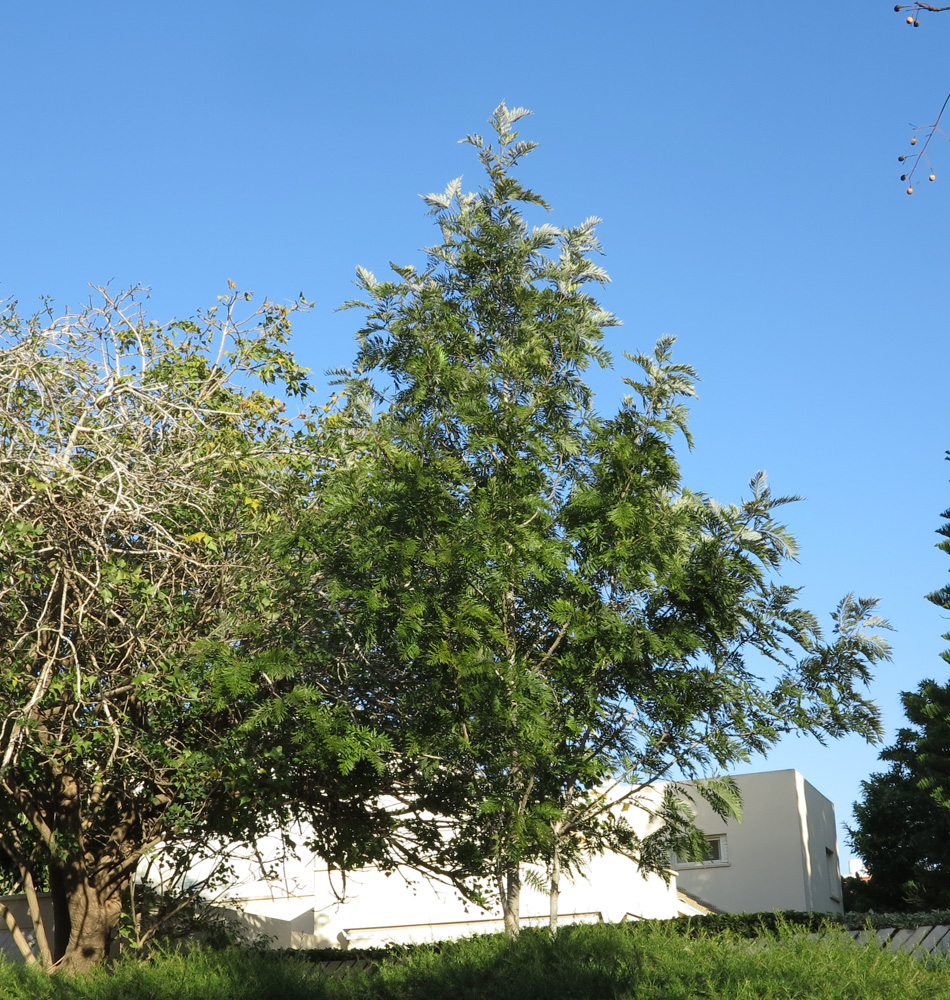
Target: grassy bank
(600, 962)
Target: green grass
(600, 962)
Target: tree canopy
(533, 601)
(143, 471)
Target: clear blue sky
(744, 159)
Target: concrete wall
(783, 855)
(377, 908)
(822, 865)
(777, 856)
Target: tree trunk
(510, 891)
(93, 919)
(554, 890)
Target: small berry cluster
(916, 157)
(915, 8)
(913, 159)
(912, 18)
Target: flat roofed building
(783, 855)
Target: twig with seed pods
(930, 130)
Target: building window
(716, 854)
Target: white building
(309, 906)
(782, 856)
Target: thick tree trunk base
(92, 922)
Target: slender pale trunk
(509, 884)
(36, 915)
(554, 890)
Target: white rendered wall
(823, 873)
(776, 859)
(403, 907)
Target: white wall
(404, 906)
(823, 872)
(776, 859)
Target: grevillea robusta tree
(534, 603)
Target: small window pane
(714, 854)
